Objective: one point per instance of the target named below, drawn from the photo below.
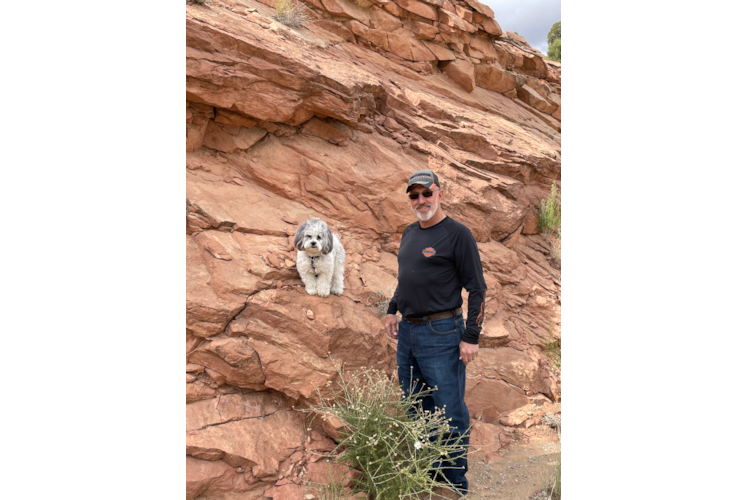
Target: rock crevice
(328, 121)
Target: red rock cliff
(328, 121)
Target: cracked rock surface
(329, 120)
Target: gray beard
(429, 214)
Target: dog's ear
(328, 242)
(298, 239)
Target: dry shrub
(289, 12)
(387, 436)
(382, 301)
(553, 350)
(556, 250)
(549, 219)
(553, 488)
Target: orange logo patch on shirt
(428, 252)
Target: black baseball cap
(425, 178)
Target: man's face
(423, 207)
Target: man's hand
(390, 324)
(468, 352)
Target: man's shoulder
(410, 228)
(458, 228)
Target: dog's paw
(336, 291)
(322, 292)
(311, 291)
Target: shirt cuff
(471, 336)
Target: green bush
(554, 51)
(549, 219)
(555, 33)
(554, 42)
(392, 449)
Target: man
(438, 257)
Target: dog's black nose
(314, 243)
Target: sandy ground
(522, 472)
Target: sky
(530, 18)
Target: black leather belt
(435, 316)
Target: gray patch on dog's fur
(298, 238)
(327, 246)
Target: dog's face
(313, 237)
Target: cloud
(530, 18)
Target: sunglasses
(426, 194)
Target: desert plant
(554, 486)
(553, 349)
(289, 13)
(556, 250)
(332, 491)
(387, 435)
(382, 301)
(549, 219)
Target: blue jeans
(433, 351)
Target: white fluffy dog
(321, 258)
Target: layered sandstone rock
(329, 121)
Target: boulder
(482, 8)
(382, 20)
(532, 98)
(489, 24)
(455, 21)
(256, 444)
(464, 13)
(492, 77)
(484, 438)
(423, 31)
(217, 479)
(488, 397)
(462, 72)
(231, 138)
(234, 359)
(347, 9)
(420, 8)
(440, 52)
(330, 130)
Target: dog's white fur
(321, 258)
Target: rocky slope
(328, 121)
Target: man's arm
(390, 321)
(392, 309)
(471, 279)
(474, 323)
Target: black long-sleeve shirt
(434, 265)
